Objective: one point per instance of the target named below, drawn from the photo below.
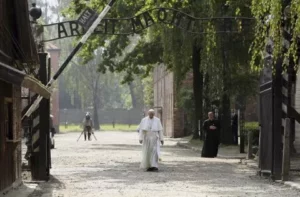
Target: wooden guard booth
(18, 60)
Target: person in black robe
(234, 127)
(211, 128)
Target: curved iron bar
(165, 9)
(195, 18)
(207, 18)
(137, 32)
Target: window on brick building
(8, 120)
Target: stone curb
(290, 184)
(286, 183)
(23, 190)
(244, 162)
(249, 164)
(182, 145)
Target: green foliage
(251, 126)
(270, 16)
(254, 128)
(83, 79)
(81, 75)
(185, 101)
(148, 91)
(225, 57)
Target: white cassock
(151, 133)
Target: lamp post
(66, 122)
(35, 13)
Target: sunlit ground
(104, 127)
(109, 167)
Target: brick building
(172, 116)
(165, 101)
(54, 55)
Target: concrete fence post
(250, 141)
(286, 150)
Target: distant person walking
(87, 126)
(150, 135)
(211, 128)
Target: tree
(211, 55)
(87, 84)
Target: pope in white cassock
(150, 135)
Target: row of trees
(81, 85)
(224, 70)
(219, 62)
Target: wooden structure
(278, 93)
(17, 55)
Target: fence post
(250, 140)
(242, 132)
(44, 124)
(259, 147)
(286, 150)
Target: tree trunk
(207, 101)
(133, 97)
(95, 116)
(142, 95)
(227, 137)
(197, 89)
(95, 106)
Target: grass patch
(251, 125)
(196, 142)
(105, 127)
(118, 127)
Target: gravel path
(110, 167)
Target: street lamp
(35, 12)
(37, 29)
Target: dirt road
(110, 167)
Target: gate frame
(40, 161)
(264, 166)
(271, 166)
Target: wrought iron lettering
(74, 28)
(103, 27)
(127, 26)
(137, 23)
(148, 18)
(162, 15)
(62, 32)
(176, 19)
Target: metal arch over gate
(91, 21)
(138, 23)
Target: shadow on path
(48, 188)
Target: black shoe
(155, 169)
(152, 169)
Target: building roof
(51, 47)
(16, 39)
(19, 78)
